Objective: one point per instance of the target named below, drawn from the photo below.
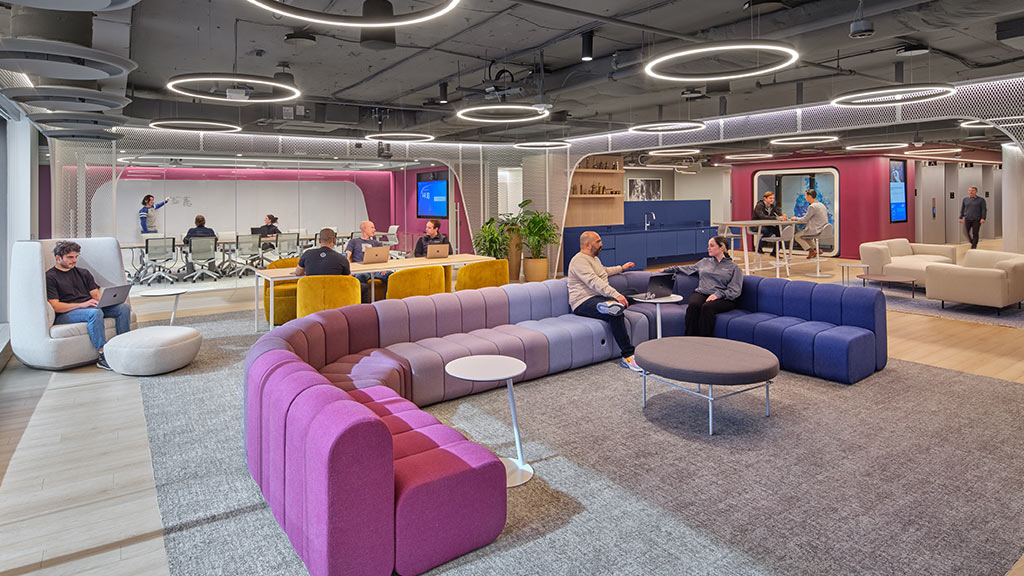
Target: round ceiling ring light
(994, 122)
(932, 151)
(878, 146)
(399, 137)
(63, 60)
(790, 56)
(503, 113)
(803, 140)
(894, 95)
(754, 156)
(194, 125)
(669, 127)
(178, 83)
(66, 98)
(543, 145)
(675, 152)
(77, 120)
(315, 17)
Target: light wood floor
(77, 494)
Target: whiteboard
(228, 206)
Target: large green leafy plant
(539, 231)
(491, 240)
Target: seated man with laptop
(75, 297)
(432, 237)
(356, 251)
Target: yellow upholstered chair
(419, 281)
(284, 294)
(482, 274)
(316, 293)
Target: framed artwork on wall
(641, 189)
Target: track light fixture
(444, 93)
(588, 46)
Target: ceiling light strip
(894, 95)
(669, 127)
(542, 145)
(803, 140)
(177, 84)
(526, 113)
(710, 49)
(877, 146)
(399, 137)
(194, 125)
(675, 152)
(316, 17)
(756, 156)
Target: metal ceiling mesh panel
(983, 100)
(760, 125)
(244, 144)
(708, 134)
(822, 118)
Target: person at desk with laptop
(356, 248)
(269, 228)
(433, 237)
(323, 261)
(76, 297)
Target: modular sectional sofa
(901, 257)
(364, 482)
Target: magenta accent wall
(404, 209)
(863, 198)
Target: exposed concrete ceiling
(469, 47)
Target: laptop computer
(437, 250)
(255, 230)
(113, 295)
(376, 255)
(658, 286)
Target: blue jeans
(93, 317)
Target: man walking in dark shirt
(74, 295)
(973, 212)
(323, 261)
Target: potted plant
(491, 240)
(512, 224)
(539, 231)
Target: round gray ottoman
(152, 350)
(711, 361)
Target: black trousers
(973, 231)
(767, 231)
(588, 308)
(700, 314)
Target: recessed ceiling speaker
(377, 38)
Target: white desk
(670, 299)
(492, 368)
(744, 225)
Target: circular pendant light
(399, 137)
(994, 122)
(543, 145)
(878, 146)
(669, 127)
(933, 151)
(180, 85)
(712, 49)
(894, 95)
(280, 8)
(66, 98)
(503, 113)
(803, 140)
(63, 60)
(194, 125)
(675, 152)
(77, 120)
(754, 156)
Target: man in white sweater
(814, 220)
(590, 294)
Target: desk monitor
(376, 255)
(437, 250)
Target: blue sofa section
(833, 332)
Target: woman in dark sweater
(717, 290)
(269, 228)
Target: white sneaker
(610, 307)
(629, 362)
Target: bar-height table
(744, 225)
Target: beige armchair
(986, 278)
(901, 257)
(36, 341)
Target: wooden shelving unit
(592, 209)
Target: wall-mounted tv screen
(897, 191)
(432, 195)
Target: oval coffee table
(492, 368)
(711, 361)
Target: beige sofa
(902, 257)
(986, 278)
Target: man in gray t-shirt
(355, 249)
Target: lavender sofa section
(360, 479)
(833, 332)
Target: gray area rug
(913, 470)
(897, 297)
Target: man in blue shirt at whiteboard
(147, 214)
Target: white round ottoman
(152, 350)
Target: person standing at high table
(147, 214)
(973, 211)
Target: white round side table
(492, 368)
(176, 292)
(670, 299)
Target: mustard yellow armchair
(482, 274)
(420, 281)
(316, 293)
(284, 294)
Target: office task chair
(202, 253)
(247, 254)
(160, 255)
(287, 245)
(390, 238)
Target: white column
(1013, 198)
(21, 198)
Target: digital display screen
(897, 191)
(432, 195)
